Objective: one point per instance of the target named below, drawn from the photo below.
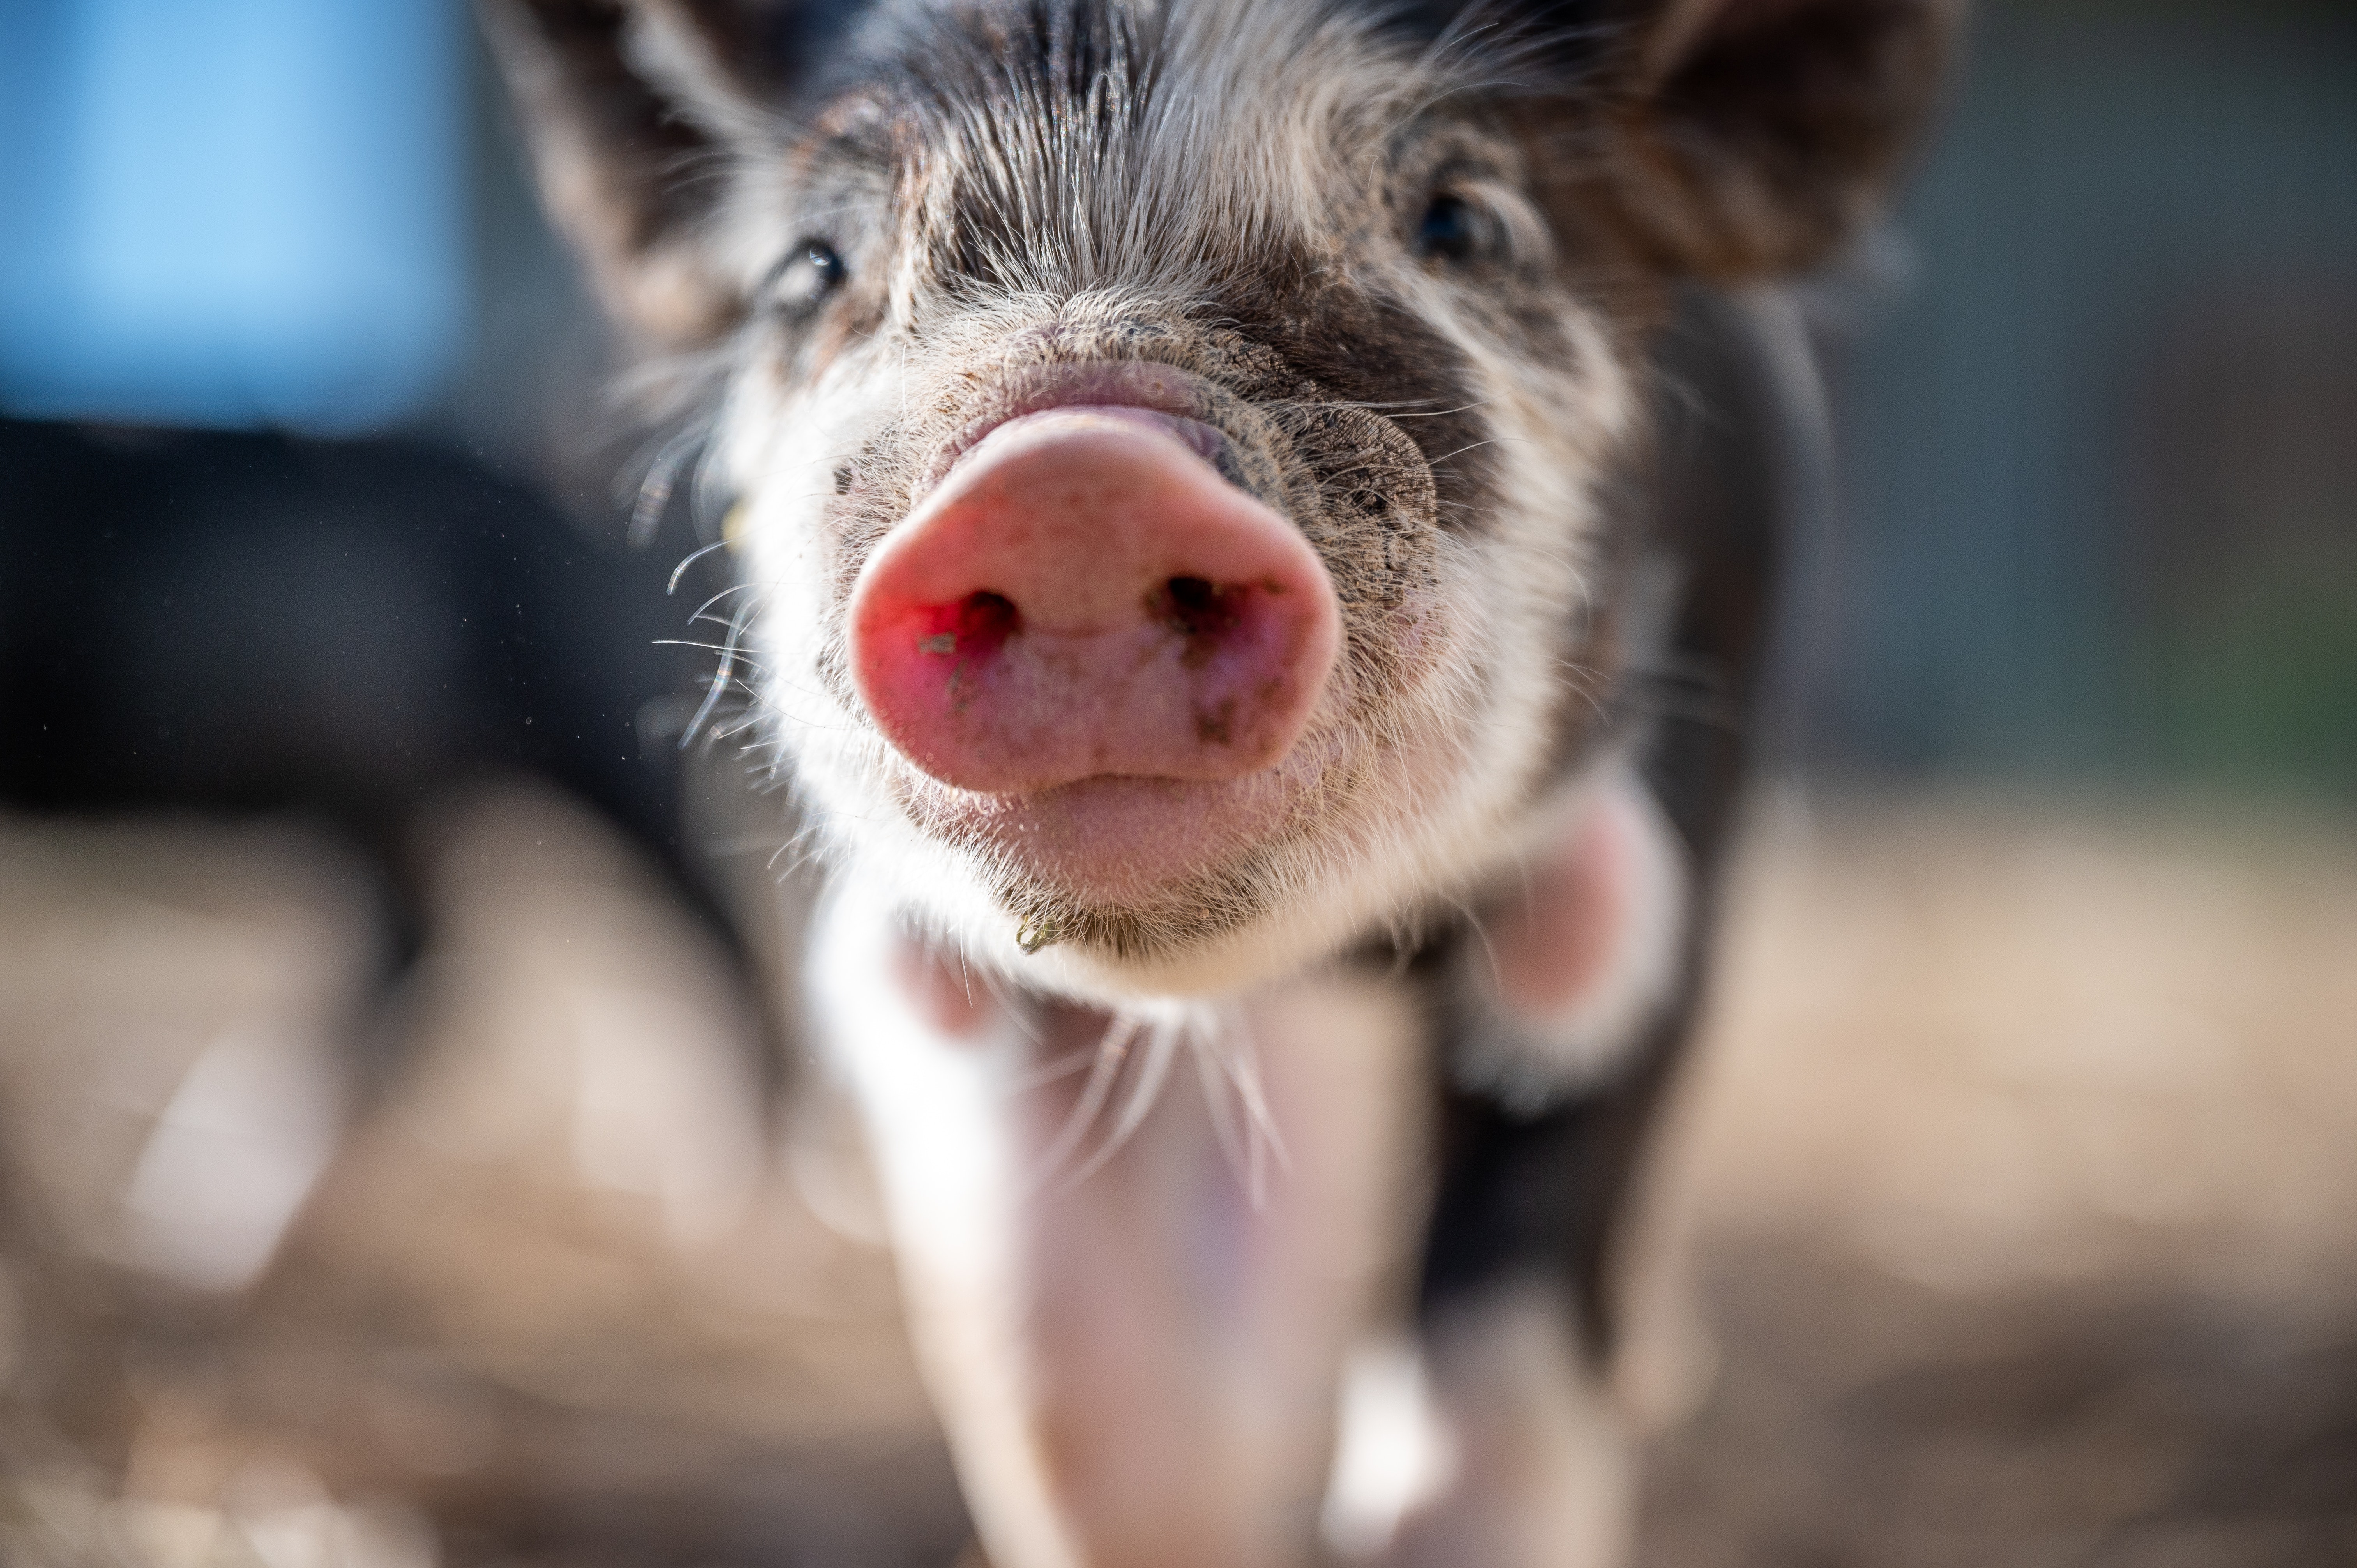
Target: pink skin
(1178, 1342)
(1098, 643)
(1551, 948)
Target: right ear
(1763, 134)
(630, 108)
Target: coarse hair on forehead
(1057, 146)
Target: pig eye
(809, 273)
(1453, 230)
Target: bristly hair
(1063, 143)
(1562, 38)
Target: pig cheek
(1418, 639)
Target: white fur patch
(1546, 1470)
(1392, 1454)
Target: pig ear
(627, 105)
(1765, 133)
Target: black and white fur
(1451, 281)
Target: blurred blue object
(243, 212)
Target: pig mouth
(1098, 643)
(1080, 856)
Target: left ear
(1760, 135)
(630, 108)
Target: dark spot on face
(1201, 613)
(1193, 607)
(1356, 347)
(1216, 728)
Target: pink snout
(1085, 596)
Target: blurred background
(383, 1176)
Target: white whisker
(1163, 1041)
(1112, 1056)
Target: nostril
(1081, 598)
(1194, 607)
(974, 627)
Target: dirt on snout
(2017, 1185)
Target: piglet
(1256, 527)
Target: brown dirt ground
(2022, 1169)
(2018, 1184)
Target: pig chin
(1116, 842)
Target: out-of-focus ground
(2023, 1165)
(2020, 1174)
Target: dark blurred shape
(2244, 594)
(2103, 492)
(345, 632)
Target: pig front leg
(1555, 1090)
(1562, 1011)
(1135, 1355)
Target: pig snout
(1085, 596)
